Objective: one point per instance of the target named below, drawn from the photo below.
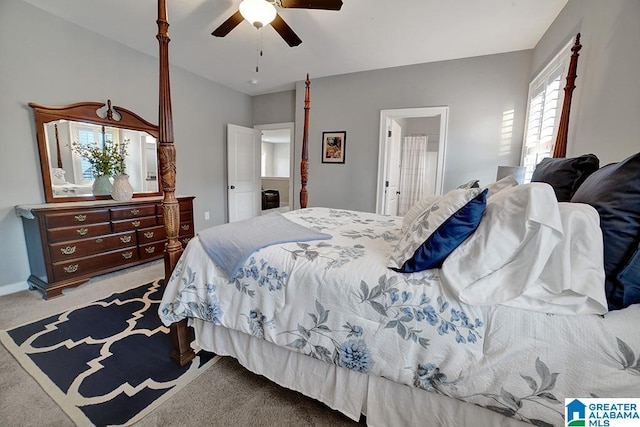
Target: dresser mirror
(66, 175)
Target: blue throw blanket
(229, 245)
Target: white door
(243, 172)
(392, 184)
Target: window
(88, 134)
(543, 112)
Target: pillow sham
(614, 191)
(506, 182)
(629, 277)
(565, 175)
(414, 211)
(572, 280)
(467, 185)
(57, 176)
(508, 251)
(438, 231)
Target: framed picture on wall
(333, 146)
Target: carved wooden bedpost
(180, 333)
(304, 164)
(560, 148)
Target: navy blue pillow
(614, 191)
(565, 175)
(451, 233)
(629, 277)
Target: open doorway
(411, 157)
(276, 162)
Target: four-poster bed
(329, 319)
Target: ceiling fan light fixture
(258, 12)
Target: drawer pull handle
(68, 250)
(148, 234)
(125, 239)
(82, 231)
(127, 255)
(150, 249)
(99, 240)
(80, 217)
(135, 211)
(135, 223)
(70, 268)
(186, 227)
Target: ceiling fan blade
(312, 4)
(285, 31)
(228, 25)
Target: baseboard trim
(12, 288)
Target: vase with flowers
(105, 162)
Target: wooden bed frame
(181, 334)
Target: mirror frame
(86, 112)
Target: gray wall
(47, 60)
(605, 112)
(479, 92)
(274, 108)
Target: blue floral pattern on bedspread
(335, 300)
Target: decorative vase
(101, 186)
(122, 190)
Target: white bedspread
(336, 301)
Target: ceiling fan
(263, 12)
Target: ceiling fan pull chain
(257, 49)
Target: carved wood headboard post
(304, 164)
(180, 333)
(55, 126)
(560, 147)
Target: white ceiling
(364, 35)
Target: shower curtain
(417, 171)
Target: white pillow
(532, 253)
(418, 208)
(510, 247)
(572, 281)
(506, 182)
(438, 230)
(57, 176)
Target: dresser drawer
(185, 240)
(186, 229)
(77, 218)
(152, 250)
(133, 224)
(84, 266)
(133, 212)
(152, 234)
(83, 247)
(77, 232)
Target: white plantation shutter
(543, 112)
(87, 134)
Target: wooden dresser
(68, 243)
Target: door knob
(232, 187)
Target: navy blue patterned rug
(105, 363)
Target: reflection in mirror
(71, 174)
(66, 175)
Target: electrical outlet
(206, 216)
